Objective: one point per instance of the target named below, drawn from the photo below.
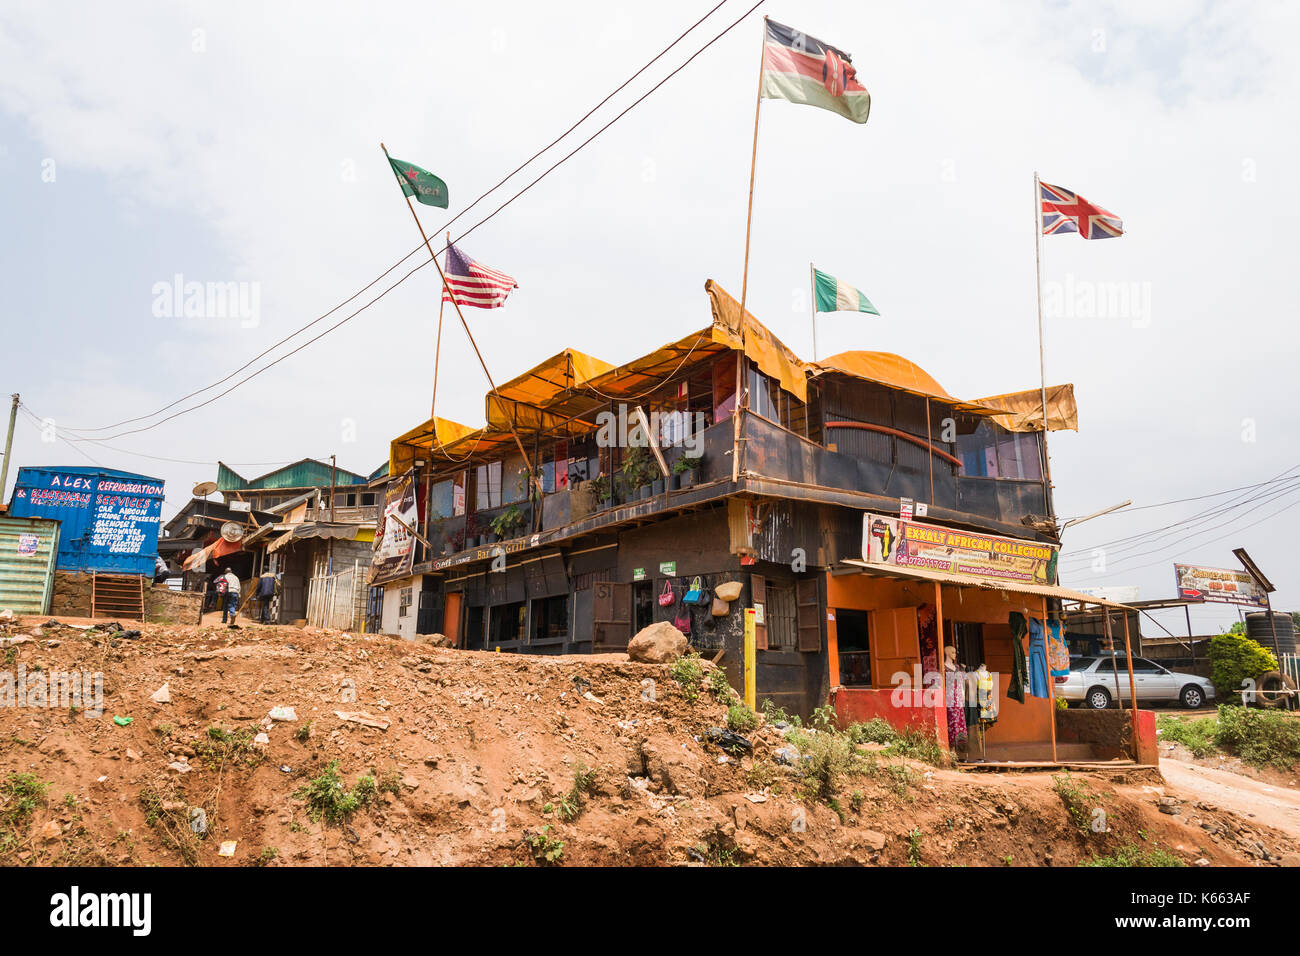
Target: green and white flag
(836, 296)
(420, 183)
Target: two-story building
(723, 457)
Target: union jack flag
(474, 283)
(1064, 211)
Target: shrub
(741, 719)
(1260, 737)
(1197, 735)
(326, 797)
(1236, 658)
(1133, 855)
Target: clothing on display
(1058, 654)
(1019, 669)
(1037, 659)
(986, 693)
(954, 699)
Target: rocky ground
(393, 753)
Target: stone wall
(71, 598)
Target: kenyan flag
(420, 183)
(801, 69)
(836, 296)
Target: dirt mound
(406, 754)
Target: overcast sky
(240, 143)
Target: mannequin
(954, 698)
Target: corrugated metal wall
(27, 550)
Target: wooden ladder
(117, 595)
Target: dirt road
(1277, 807)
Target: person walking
(267, 585)
(231, 605)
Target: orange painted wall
(1030, 722)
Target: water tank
(1257, 629)
(109, 519)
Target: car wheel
(1098, 698)
(1193, 697)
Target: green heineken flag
(420, 183)
(836, 296)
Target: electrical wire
(447, 225)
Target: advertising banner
(911, 544)
(394, 551)
(1218, 586)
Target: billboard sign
(1218, 586)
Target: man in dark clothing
(267, 585)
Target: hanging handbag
(666, 596)
(683, 620)
(696, 591)
(721, 608)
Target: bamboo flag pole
(465, 325)
(437, 351)
(744, 281)
(812, 288)
(1042, 362)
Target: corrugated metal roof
(308, 473)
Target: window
(342, 500)
(442, 499)
(404, 601)
(514, 480)
(781, 618)
(551, 618)
(368, 499)
(506, 622)
(855, 647)
(487, 486)
(989, 452)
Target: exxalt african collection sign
(1218, 586)
(911, 544)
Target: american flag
(1064, 211)
(474, 283)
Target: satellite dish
(204, 488)
(233, 532)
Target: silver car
(1092, 681)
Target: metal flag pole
(437, 351)
(1042, 362)
(460, 315)
(812, 287)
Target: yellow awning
(1026, 409)
(894, 371)
(436, 432)
(523, 400)
(761, 347)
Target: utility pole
(9, 445)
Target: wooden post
(437, 357)
(943, 670)
(1132, 683)
(744, 280)
(812, 288)
(1051, 684)
(460, 315)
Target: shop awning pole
(1051, 684)
(1114, 667)
(1132, 683)
(942, 726)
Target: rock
(283, 713)
(433, 640)
(163, 695)
(51, 830)
(132, 754)
(657, 644)
(671, 767)
(787, 756)
(874, 840)
(6, 615)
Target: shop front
(948, 632)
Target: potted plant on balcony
(600, 488)
(687, 471)
(639, 471)
(507, 524)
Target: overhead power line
(447, 225)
